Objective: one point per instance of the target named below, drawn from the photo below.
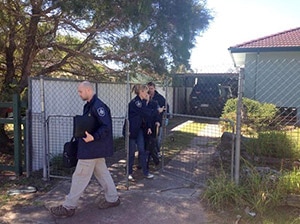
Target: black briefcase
(83, 123)
(70, 153)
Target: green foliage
(289, 182)
(258, 123)
(278, 144)
(75, 37)
(257, 191)
(262, 191)
(256, 116)
(95, 40)
(222, 192)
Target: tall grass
(262, 191)
(259, 192)
(289, 182)
(278, 144)
(222, 193)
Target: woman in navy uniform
(138, 114)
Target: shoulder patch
(138, 103)
(101, 111)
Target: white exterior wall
(273, 78)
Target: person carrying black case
(93, 147)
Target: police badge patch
(138, 103)
(101, 112)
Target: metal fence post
(238, 126)
(43, 118)
(127, 129)
(164, 124)
(232, 151)
(28, 159)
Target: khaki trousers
(81, 177)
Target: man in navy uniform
(161, 101)
(92, 150)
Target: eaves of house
(286, 41)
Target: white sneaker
(130, 177)
(149, 176)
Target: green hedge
(256, 116)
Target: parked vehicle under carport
(208, 99)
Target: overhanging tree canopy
(85, 37)
(76, 37)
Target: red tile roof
(283, 40)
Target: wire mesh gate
(189, 144)
(59, 131)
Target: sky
(239, 21)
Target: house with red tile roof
(271, 68)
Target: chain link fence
(189, 145)
(270, 111)
(262, 99)
(261, 102)
(53, 104)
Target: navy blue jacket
(102, 146)
(138, 114)
(161, 101)
(155, 117)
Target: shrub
(276, 144)
(256, 116)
